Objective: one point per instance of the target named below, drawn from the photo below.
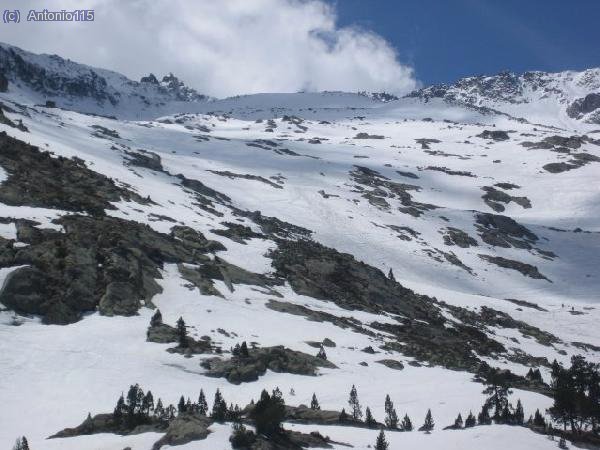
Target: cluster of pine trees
(576, 392)
(391, 421)
(137, 408)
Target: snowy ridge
(547, 98)
(70, 85)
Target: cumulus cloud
(221, 48)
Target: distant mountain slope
(535, 96)
(71, 85)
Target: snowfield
(298, 157)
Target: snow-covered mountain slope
(37, 79)
(488, 224)
(566, 99)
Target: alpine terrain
(280, 271)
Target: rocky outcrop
(36, 178)
(183, 429)
(241, 369)
(455, 236)
(494, 199)
(98, 262)
(584, 105)
(495, 135)
(503, 231)
(526, 269)
(377, 189)
(237, 232)
(105, 423)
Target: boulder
(183, 429)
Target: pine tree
(470, 420)
(519, 416)
(21, 444)
(538, 419)
(314, 403)
(381, 443)
(244, 350)
(406, 423)
(506, 415)
(219, 409)
(268, 414)
(343, 416)
(202, 404)
(391, 418)
(156, 319)
(369, 419)
(182, 333)
(484, 416)
(322, 354)
(134, 399)
(119, 410)
(428, 424)
(355, 409)
(148, 403)
(235, 351)
(159, 410)
(181, 407)
(458, 422)
(170, 413)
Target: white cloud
(221, 48)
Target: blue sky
(447, 39)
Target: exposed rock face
(240, 369)
(145, 159)
(502, 231)
(237, 232)
(101, 262)
(495, 135)
(585, 105)
(120, 299)
(183, 429)
(578, 160)
(38, 179)
(455, 236)
(25, 287)
(377, 188)
(526, 269)
(323, 273)
(494, 197)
